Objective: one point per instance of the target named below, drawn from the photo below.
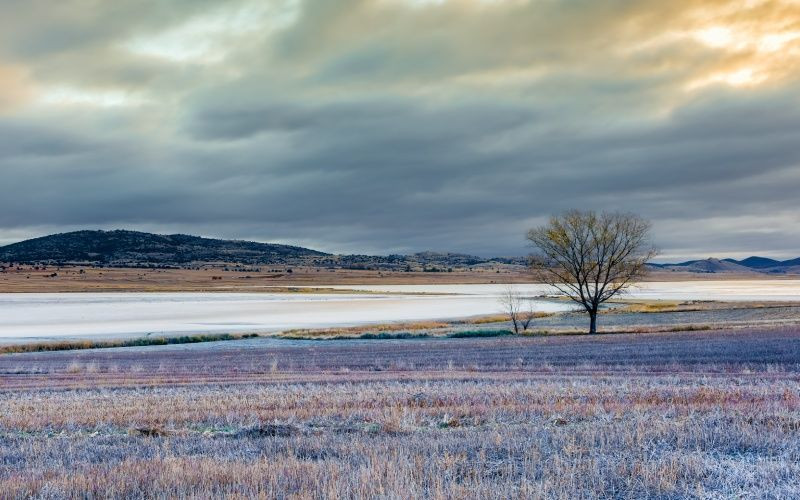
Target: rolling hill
(756, 262)
(752, 264)
(122, 247)
(708, 266)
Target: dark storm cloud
(391, 125)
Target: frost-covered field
(49, 315)
(712, 414)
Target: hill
(122, 247)
(708, 266)
(755, 262)
(752, 264)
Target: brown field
(93, 279)
(667, 415)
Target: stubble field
(694, 414)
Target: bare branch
(591, 257)
(512, 305)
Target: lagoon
(59, 315)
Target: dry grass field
(663, 415)
(96, 279)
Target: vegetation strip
(311, 335)
(69, 345)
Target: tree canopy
(591, 257)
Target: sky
(395, 126)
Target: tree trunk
(592, 321)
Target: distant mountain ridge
(753, 264)
(765, 263)
(122, 248)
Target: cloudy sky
(403, 125)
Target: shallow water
(126, 314)
(723, 290)
(49, 315)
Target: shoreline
(621, 317)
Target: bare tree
(591, 257)
(527, 315)
(518, 308)
(511, 301)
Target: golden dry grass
(357, 331)
(656, 307)
(500, 318)
(71, 345)
(94, 279)
(666, 306)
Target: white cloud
(70, 96)
(208, 38)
